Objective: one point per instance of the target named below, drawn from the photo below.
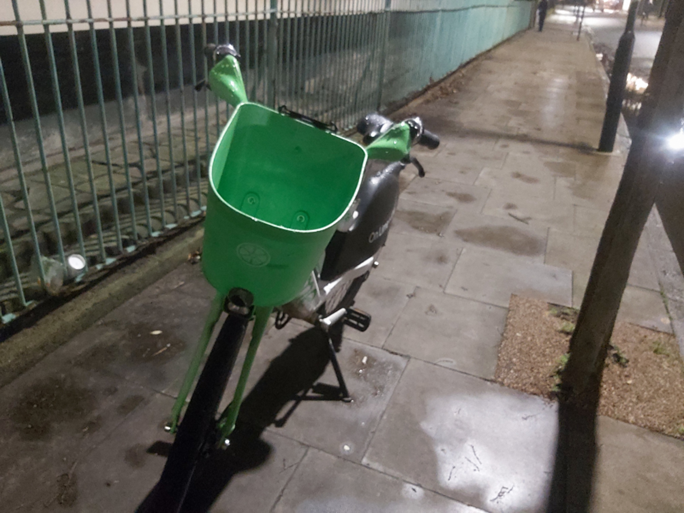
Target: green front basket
(278, 188)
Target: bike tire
(197, 431)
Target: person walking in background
(543, 7)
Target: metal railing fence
(104, 140)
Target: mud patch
(135, 456)
(524, 178)
(442, 258)
(55, 400)
(462, 197)
(504, 238)
(424, 222)
(68, 490)
(129, 404)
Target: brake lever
(215, 53)
(419, 166)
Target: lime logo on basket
(253, 254)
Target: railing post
(383, 51)
(435, 40)
(272, 56)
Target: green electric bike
(295, 222)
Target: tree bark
(660, 116)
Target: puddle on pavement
(504, 238)
(524, 178)
(424, 222)
(463, 197)
(54, 400)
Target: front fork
(226, 423)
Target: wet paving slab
(248, 481)
(53, 419)
(324, 483)
(149, 340)
(534, 212)
(385, 300)
(420, 218)
(507, 235)
(467, 198)
(577, 252)
(473, 441)
(492, 276)
(292, 390)
(417, 260)
(450, 331)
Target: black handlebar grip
(429, 140)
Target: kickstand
(344, 392)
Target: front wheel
(197, 432)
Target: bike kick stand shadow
(332, 329)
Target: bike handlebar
(374, 125)
(429, 140)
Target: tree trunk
(660, 116)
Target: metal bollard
(618, 82)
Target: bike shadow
(290, 377)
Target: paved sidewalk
(513, 202)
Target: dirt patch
(129, 404)
(461, 196)
(504, 238)
(92, 425)
(442, 259)
(524, 178)
(424, 222)
(137, 342)
(68, 490)
(135, 456)
(145, 343)
(643, 379)
(563, 169)
(54, 400)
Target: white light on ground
(676, 142)
(636, 83)
(76, 262)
